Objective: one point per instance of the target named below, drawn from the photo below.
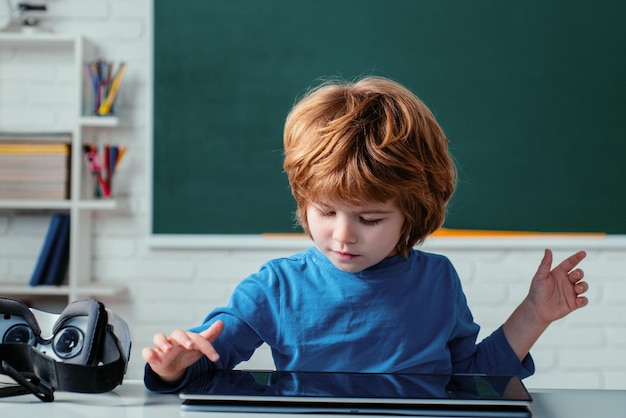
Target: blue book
(45, 255)
(59, 259)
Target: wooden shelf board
(101, 289)
(100, 121)
(64, 290)
(42, 37)
(34, 204)
(87, 204)
(19, 289)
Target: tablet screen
(356, 387)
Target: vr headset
(83, 349)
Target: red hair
(370, 141)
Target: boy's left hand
(554, 293)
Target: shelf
(35, 204)
(100, 204)
(89, 204)
(7, 290)
(42, 37)
(99, 121)
(94, 290)
(70, 51)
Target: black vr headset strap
(88, 378)
(16, 362)
(41, 375)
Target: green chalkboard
(532, 95)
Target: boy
(370, 171)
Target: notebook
(358, 393)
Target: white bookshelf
(72, 51)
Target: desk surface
(133, 400)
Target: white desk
(132, 400)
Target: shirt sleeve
(236, 344)
(494, 355)
(248, 320)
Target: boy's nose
(343, 232)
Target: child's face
(355, 237)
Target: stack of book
(53, 260)
(35, 167)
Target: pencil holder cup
(102, 163)
(105, 85)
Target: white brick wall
(35, 95)
(176, 288)
(585, 349)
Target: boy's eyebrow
(373, 212)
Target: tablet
(358, 393)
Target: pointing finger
(572, 261)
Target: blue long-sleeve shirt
(402, 315)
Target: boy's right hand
(171, 356)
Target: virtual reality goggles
(84, 349)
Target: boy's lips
(344, 255)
